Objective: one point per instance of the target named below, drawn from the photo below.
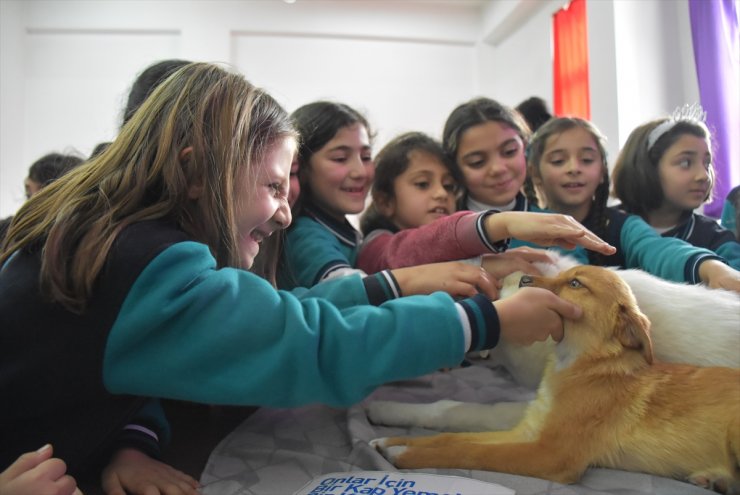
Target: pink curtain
(570, 64)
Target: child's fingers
(28, 461)
(187, 483)
(112, 484)
(567, 309)
(66, 485)
(491, 292)
(464, 289)
(568, 238)
(596, 243)
(727, 283)
(528, 254)
(469, 280)
(500, 268)
(485, 284)
(52, 469)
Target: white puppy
(689, 324)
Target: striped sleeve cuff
(495, 247)
(329, 270)
(141, 438)
(691, 272)
(381, 287)
(481, 321)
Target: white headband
(694, 114)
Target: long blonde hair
(144, 175)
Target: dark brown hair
(635, 176)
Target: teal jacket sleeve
(728, 218)
(730, 252)
(311, 253)
(189, 331)
(374, 289)
(667, 257)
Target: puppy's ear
(632, 330)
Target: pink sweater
(455, 237)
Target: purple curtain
(714, 31)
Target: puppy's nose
(525, 281)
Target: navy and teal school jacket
(706, 232)
(165, 322)
(638, 246)
(729, 212)
(317, 248)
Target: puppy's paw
(390, 413)
(712, 481)
(378, 443)
(375, 412)
(390, 452)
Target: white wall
(641, 63)
(655, 61)
(66, 65)
(11, 108)
(517, 50)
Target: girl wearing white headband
(664, 172)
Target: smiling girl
(412, 220)
(335, 171)
(485, 140)
(567, 164)
(664, 172)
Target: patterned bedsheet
(277, 451)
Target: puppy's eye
(575, 283)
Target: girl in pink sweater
(412, 218)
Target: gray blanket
(277, 451)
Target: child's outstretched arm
(38, 472)
(545, 229)
(456, 278)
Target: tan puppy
(604, 402)
(689, 324)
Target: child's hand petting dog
(717, 275)
(456, 278)
(519, 259)
(545, 229)
(532, 314)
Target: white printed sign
(397, 483)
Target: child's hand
(133, 472)
(533, 314)
(519, 259)
(718, 275)
(37, 472)
(456, 278)
(545, 229)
